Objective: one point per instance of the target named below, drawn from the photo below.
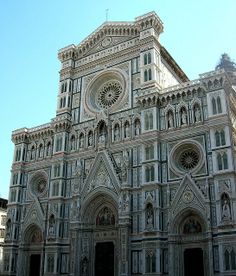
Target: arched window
(219, 108)
(227, 263)
(40, 153)
(225, 161)
(50, 263)
(233, 260)
(58, 144)
(230, 259)
(55, 189)
(149, 152)
(145, 75)
(214, 110)
(32, 153)
(145, 59)
(70, 87)
(149, 173)
(149, 58)
(219, 162)
(146, 121)
(62, 88)
(48, 149)
(222, 137)
(150, 262)
(150, 120)
(149, 74)
(217, 138)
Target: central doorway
(104, 259)
(35, 265)
(193, 262)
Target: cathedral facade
(135, 175)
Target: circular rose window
(186, 156)
(189, 159)
(38, 184)
(109, 93)
(107, 90)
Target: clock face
(187, 196)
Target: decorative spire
(226, 63)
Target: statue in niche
(170, 120)
(183, 117)
(90, 139)
(105, 217)
(149, 220)
(102, 137)
(137, 128)
(192, 226)
(127, 130)
(84, 266)
(225, 207)
(78, 169)
(51, 229)
(125, 165)
(81, 141)
(8, 229)
(117, 133)
(197, 114)
(126, 202)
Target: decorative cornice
(25, 135)
(112, 29)
(207, 82)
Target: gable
(101, 175)
(187, 196)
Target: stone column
(124, 269)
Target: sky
(196, 33)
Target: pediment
(101, 175)
(34, 215)
(188, 195)
(107, 35)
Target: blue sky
(196, 33)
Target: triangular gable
(188, 195)
(35, 214)
(107, 35)
(101, 174)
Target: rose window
(189, 159)
(186, 156)
(109, 93)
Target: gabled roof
(112, 29)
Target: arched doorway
(189, 245)
(33, 247)
(99, 237)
